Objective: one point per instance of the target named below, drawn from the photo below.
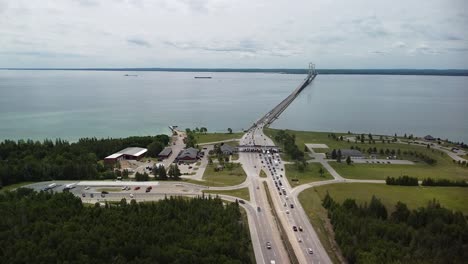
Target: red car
(137, 188)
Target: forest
(57, 228)
(60, 160)
(367, 234)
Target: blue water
(74, 104)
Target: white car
(87, 188)
(310, 251)
(131, 195)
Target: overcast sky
(234, 33)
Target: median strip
(284, 237)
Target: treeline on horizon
(49, 227)
(60, 160)
(369, 234)
(438, 72)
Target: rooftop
(165, 152)
(132, 151)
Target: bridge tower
(312, 69)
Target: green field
(213, 137)
(310, 174)
(241, 193)
(450, 197)
(222, 178)
(445, 168)
(318, 216)
(311, 199)
(381, 171)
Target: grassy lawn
(312, 204)
(241, 193)
(222, 178)
(213, 137)
(450, 197)
(262, 174)
(443, 169)
(235, 157)
(14, 186)
(381, 171)
(310, 174)
(311, 199)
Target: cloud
(44, 54)
(138, 42)
(370, 26)
(246, 47)
(399, 44)
(88, 3)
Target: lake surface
(74, 104)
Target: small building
(165, 153)
(188, 155)
(429, 137)
(352, 153)
(227, 149)
(132, 153)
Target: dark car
(241, 201)
(104, 192)
(137, 188)
(295, 228)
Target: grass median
(242, 193)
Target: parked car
(104, 192)
(86, 188)
(241, 201)
(131, 195)
(268, 245)
(83, 195)
(137, 188)
(291, 205)
(295, 228)
(310, 251)
(300, 228)
(92, 195)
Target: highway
(263, 226)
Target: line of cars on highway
(272, 162)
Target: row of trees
(443, 182)
(57, 228)
(60, 160)
(403, 180)
(367, 234)
(288, 142)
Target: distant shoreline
(434, 72)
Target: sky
(416, 34)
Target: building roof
(132, 151)
(188, 153)
(350, 152)
(227, 148)
(429, 137)
(113, 156)
(165, 152)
